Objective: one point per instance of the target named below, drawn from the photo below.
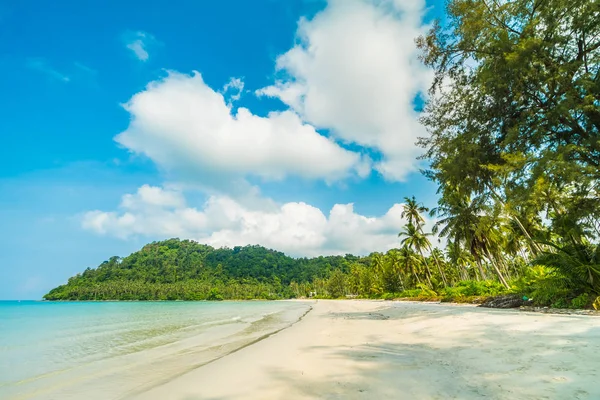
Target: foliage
(185, 270)
(578, 264)
(513, 119)
(336, 284)
(214, 294)
(419, 295)
(475, 288)
(580, 301)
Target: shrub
(423, 293)
(545, 286)
(531, 276)
(546, 294)
(214, 295)
(474, 288)
(390, 296)
(580, 301)
(577, 263)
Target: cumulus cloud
(184, 125)
(353, 74)
(355, 71)
(139, 42)
(296, 228)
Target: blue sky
(119, 128)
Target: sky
(285, 123)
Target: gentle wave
(107, 350)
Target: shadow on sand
(526, 356)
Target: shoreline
(368, 349)
(233, 351)
(531, 309)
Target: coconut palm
(417, 240)
(473, 223)
(395, 266)
(578, 264)
(412, 210)
(410, 262)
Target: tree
(473, 224)
(578, 264)
(412, 210)
(515, 108)
(336, 284)
(417, 241)
(410, 263)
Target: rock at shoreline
(505, 301)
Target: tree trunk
(416, 275)
(505, 268)
(426, 268)
(517, 220)
(464, 272)
(500, 276)
(481, 272)
(401, 281)
(440, 270)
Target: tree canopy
(514, 112)
(184, 269)
(514, 123)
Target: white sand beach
(384, 350)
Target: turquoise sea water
(109, 350)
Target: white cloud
(235, 85)
(356, 71)
(138, 42)
(296, 228)
(153, 196)
(183, 125)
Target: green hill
(186, 270)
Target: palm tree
(473, 223)
(416, 240)
(395, 264)
(438, 259)
(487, 240)
(412, 210)
(579, 264)
(410, 262)
(461, 259)
(377, 262)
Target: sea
(114, 350)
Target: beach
(357, 349)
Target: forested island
(186, 270)
(513, 144)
